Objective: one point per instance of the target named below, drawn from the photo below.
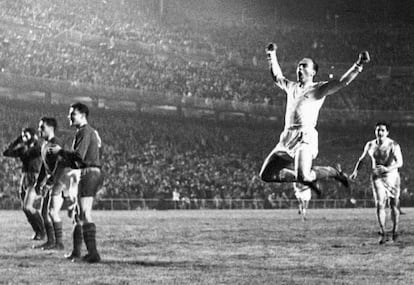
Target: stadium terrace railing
(104, 96)
(211, 204)
(224, 204)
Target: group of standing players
(292, 158)
(54, 173)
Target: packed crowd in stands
(31, 46)
(149, 156)
(201, 159)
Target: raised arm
(274, 66)
(33, 151)
(335, 85)
(15, 149)
(359, 162)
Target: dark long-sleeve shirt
(50, 162)
(30, 155)
(85, 149)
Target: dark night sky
(385, 11)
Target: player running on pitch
(303, 195)
(26, 147)
(386, 159)
(291, 159)
(84, 155)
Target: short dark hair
(383, 123)
(314, 63)
(51, 122)
(315, 66)
(31, 131)
(82, 108)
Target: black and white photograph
(206, 142)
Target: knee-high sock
(39, 222)
(57, 226)
(77, 236)
(31, 221)
(89, 236)
(50, 231)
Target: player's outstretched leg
(324, 172)
(278, 167)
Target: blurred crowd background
(205, 49)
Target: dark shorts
(91, 179)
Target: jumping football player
(386, 159)
(291, 159)
(26, 147)
(84, 155)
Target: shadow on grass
(161, 263)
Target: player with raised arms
(291, 160)
(386, 159)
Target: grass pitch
(217, 247)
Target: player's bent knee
(265, 177)
(302, 177)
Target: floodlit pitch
(218, 247)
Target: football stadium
(173, 142)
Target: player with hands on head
(386, 158)
(26, 147)
(291, 160)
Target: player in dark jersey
(27, 148)
(84, 155)
(54, 176)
